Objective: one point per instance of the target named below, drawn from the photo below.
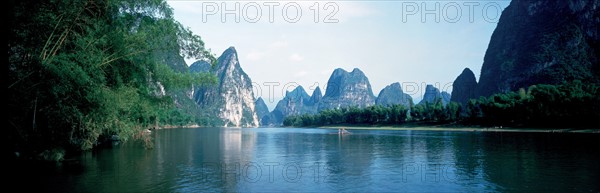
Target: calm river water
(321, 160)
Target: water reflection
(542, 162)
(320, 160)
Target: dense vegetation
(378, 115)
(568, 105)
(83, 70)
(394, 114)
(572, 104)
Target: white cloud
(326, 71)
(279, 44)
(296, 58)
(254, 55)
(301, 74)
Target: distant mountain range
(534, 42)
(231, 102)
(230, 98)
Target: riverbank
(434, 127)
(177, 126)
(464, 129)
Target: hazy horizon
(412, 42)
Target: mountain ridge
(232, 100)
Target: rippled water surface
(321, 160)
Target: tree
(80, 70)
(417, 112)
(452, 111)
(398, 114)
(566, 105)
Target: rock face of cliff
(432, 94)
(200, 66)
(393, 94)
(232, 99)
(464, 87)
(542, 41)
(346, 89)
(296, 102)
(316, 96)
(261, 108)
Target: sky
(283, 44)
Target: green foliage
(173, 81)
(567, 105)
(453, 111)
(432, 112)
(393, 114)
(379, 115)
(565, 55)
(79, 70)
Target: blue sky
(411, 42)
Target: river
(321, 160)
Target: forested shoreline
(569, 105)
(83, 71)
